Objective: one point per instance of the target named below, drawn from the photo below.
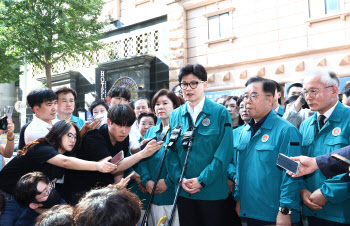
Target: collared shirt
(78, 121)
(256, 126)
(328, 113)
(37, 129)
(197, 109)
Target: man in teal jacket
(266, 194)
(326, 200)
(204, 188)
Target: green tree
(48, 31)
(9, 64)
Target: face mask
(53, 199)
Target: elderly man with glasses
(265, 194)
(325, 199)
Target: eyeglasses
(313, 92)
(253, 96)
(47, 190)
(71, 136)
(192, 84)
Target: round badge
(336, 131)
(265, 138)
(206, 122)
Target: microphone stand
(145, 216)
(181, 178)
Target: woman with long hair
(231, 104)
(50, 155)
(163, 103)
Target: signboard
(101, 83)
(215, 95)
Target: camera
(3, 123)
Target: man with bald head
(325, 198)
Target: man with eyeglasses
(37, 194)
(325, 199)
(204, 187)
(265, 194)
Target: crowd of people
(220, 171)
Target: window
(319, 8)
(219, 26)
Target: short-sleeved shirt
(95, 145)
(33, 160)
(37, 129)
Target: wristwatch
(285, 210)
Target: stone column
(177, 39)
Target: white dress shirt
(197, 109)
(37, 129)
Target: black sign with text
(101, 83)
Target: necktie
(320, 122)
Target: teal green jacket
(232, 166)
(132, 185)
(280, 111)
(335, 134)
(232, 173)
(211, 151)
(78, 121)
(150, 167)
(262, 185)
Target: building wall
(270, 38)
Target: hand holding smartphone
(117, 158)
(286, 163)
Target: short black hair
(267, 84)
(119, 91)
(278, 87)
(122, 115)
(142, 98)
(98, 102)
(26, 188)
(108, 206)
(195, 69)
(38, 96)
(346, 90)
(58, 215)
(147, 114)
(297, 84)
(66, 90)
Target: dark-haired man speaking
(204, 188)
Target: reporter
(7, 150)
(49, 155)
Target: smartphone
(117, 158)
(130, 175)
(341, 159)
(98, 117)
(286, 163)
(161, 137)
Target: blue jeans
(12, 211)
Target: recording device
(286, 163)
(159, 138)
(341, 159)
(3, 123)
(9, 111)
(187, 137)
(117, 158)
(130, 175)
(174, 137)
(98, 117)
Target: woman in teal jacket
(163, 103)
